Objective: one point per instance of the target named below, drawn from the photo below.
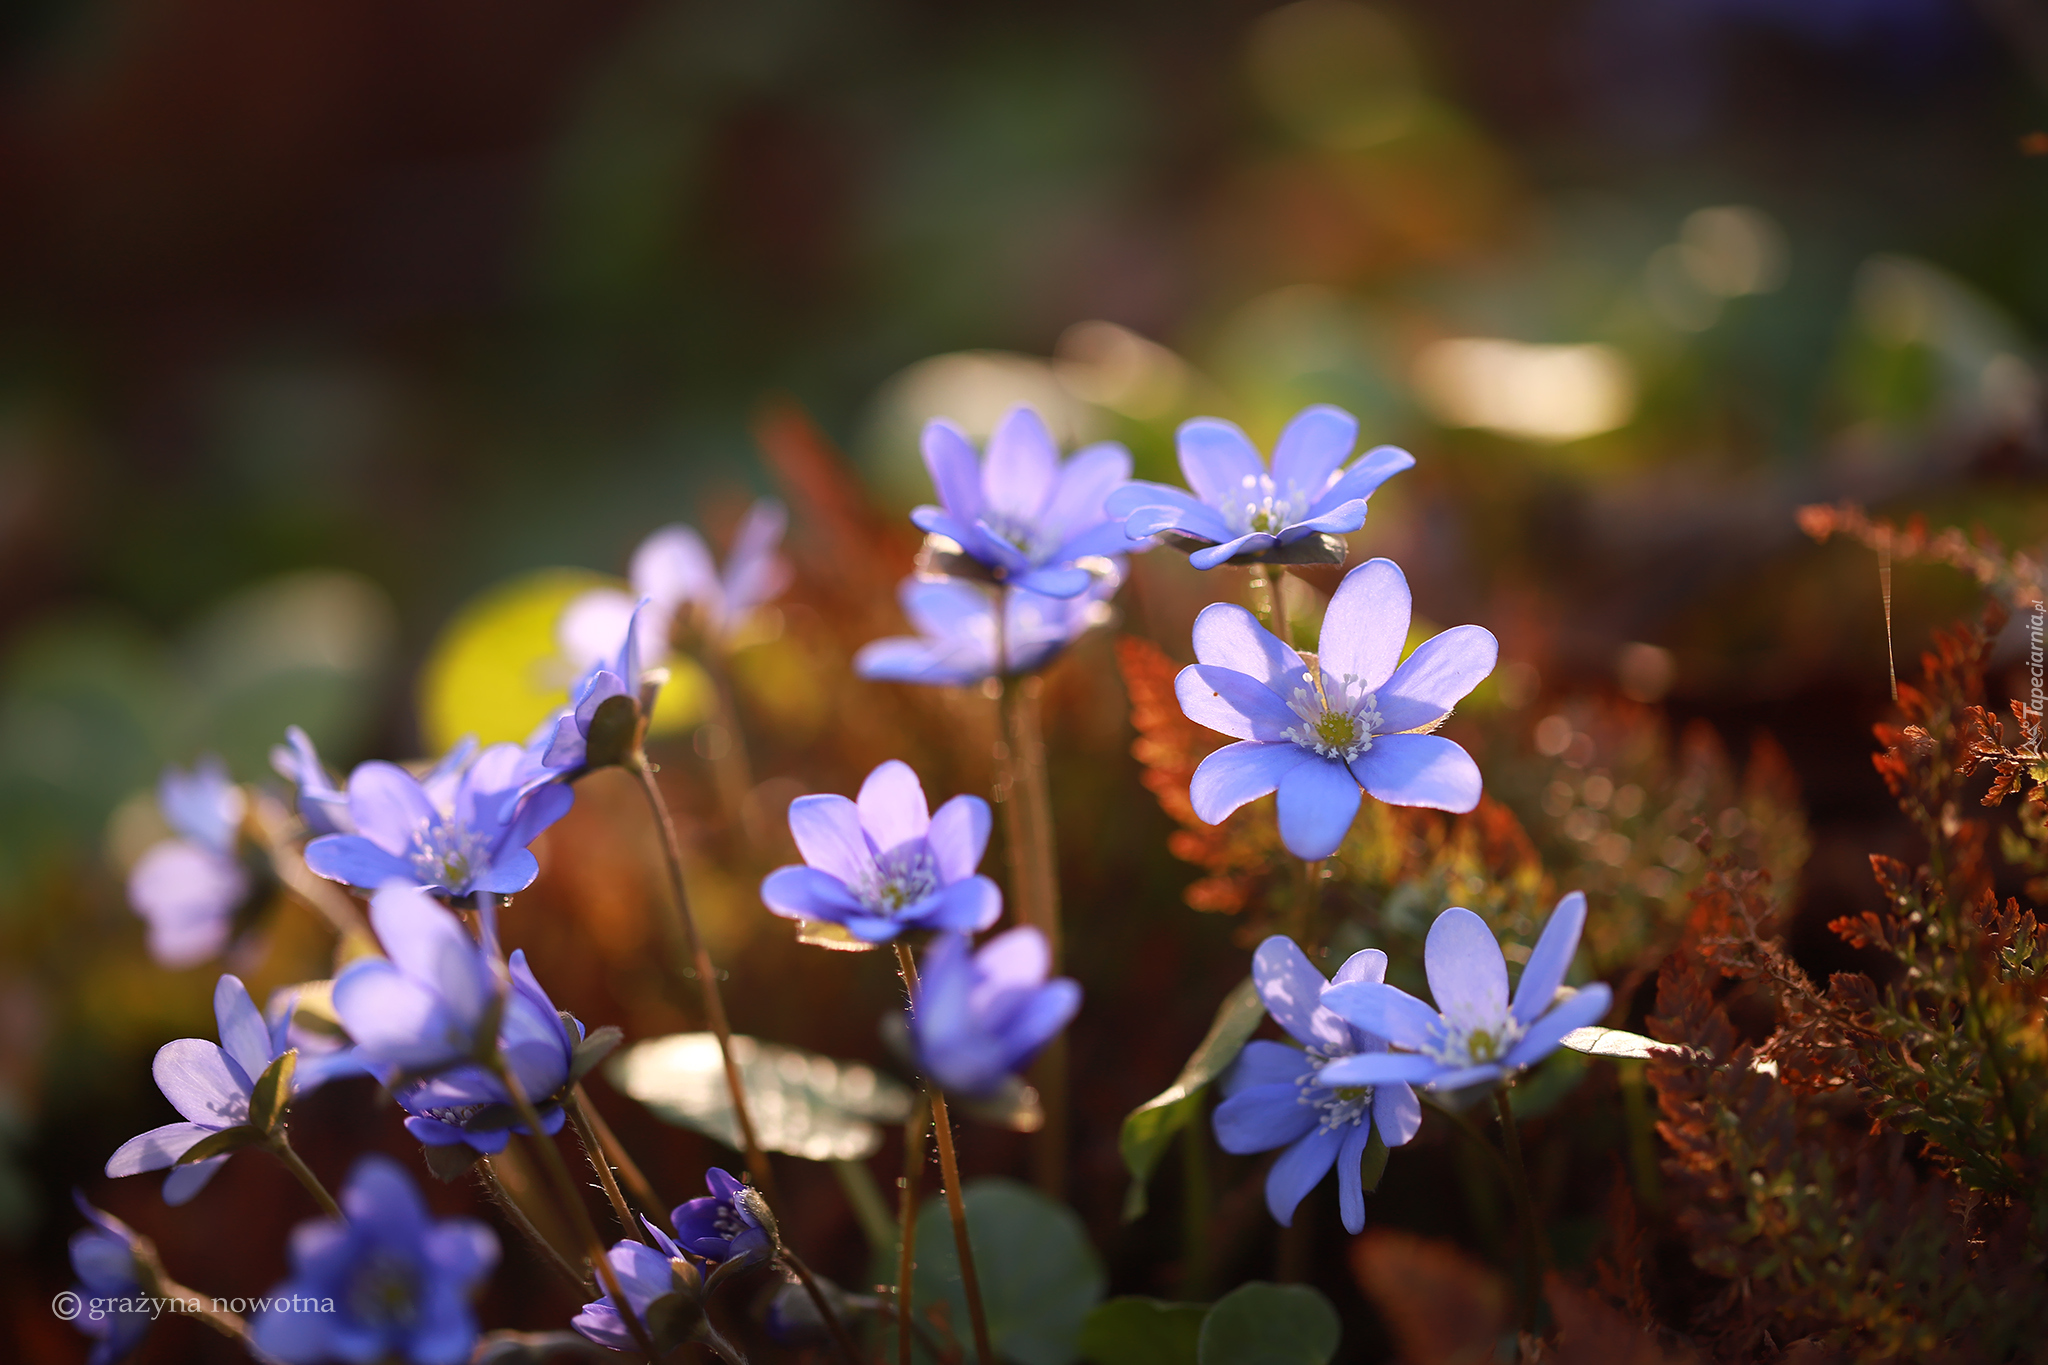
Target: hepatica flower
(955, 619)
(647, 1274)
(980, 1017)
(1242, 511)
(672, 570)
(453, 833)
(617, 676)
(188, 888)
(1319, 728)
(322, 805)
(1281, 1096)
(884, 864)
(211, 1087)
(719, 1227)
(422, 1011)
(1475, 1035)
(1020, 513)
(390, 1283)
(104, 1258)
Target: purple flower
(212, 1085)
(457, 832)
(955, 644)
(619, 675)
(1354, 721)
(1242, 512)
(647, 1274)
(719, 1228)
(1280, 1096)
(104, 1257)
(419, 1016)
(884, 864)
(189, 887)
(673, 569)
(322, 805)
(980, 1017)
(1029, 519)
(390, 1283)
(1479, 1037)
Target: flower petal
(1384, 1012)
(672, 566)
(828, 833)
(1023, 465)
(964, 907)
(1367, 624)
(1396, 1112)
(1251, 543)
(1380, 1068)
(1419, 770)
(955, 469)
(1217, 459)
(1318, 800)
(389, 806)
(754, 572)
(395, 1020)
(1436, 677)
(1292, 990)
(1300, 1169)
(200, 1082)
(1150, 508)
(1340, 519)
(1085, 483)
(427, 942)
(1468, 976)
(959, 836)
(187, 893)
(1241, 772)
(1265, 1062)
(1228, 636)
(243, 1034)
(1350, 1176)
(807, 893)
(1262, 1117)
(1233, 703)
(1311, 447)
(1064, 581)
(1366, 474)
(186, 1181)
(1588, 1005)
(354, 860)
(157, 1148)
(1466, 1076)
(892, 806)
(1550, 959)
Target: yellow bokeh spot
(496, 672)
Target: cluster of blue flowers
(1024, 551)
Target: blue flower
(457, 832)
(885, 864)
(1356, 721)
(419, 1016)
(672, 570)
(1479, 1037)
(1240, 511)
(719, 1228)
(212, 1085)
(616, 676)
(956, 623)
(1030, 520)
(647, 1274)
(389, 1283)
(1280, 1096)
(322, 805)
(104, 1257)
(980, 1017)
(188, 888)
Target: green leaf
(452, 1161)
(1151, 1126)
(1374, 1163)
(819, 933)
(220, 1144)
(273, 1092)
(1039, 1276)
(594, 1048)
(802, 1104)
(1136, 1331)
(1270, 1324)
(614, 732)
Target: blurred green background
(318, 320)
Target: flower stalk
(622, 1161)
(593, 1151)
(303, 1173)
(1535, 1255)
(906, 1236)
(516, 1213)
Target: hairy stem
(622, 1160)
(303, 1173)
(906, 1213)
(1534, 1254)
(949, 1173)
(841, 1341)
(685, 925)
(593, 1152)
(720, 1347)
(233, 1326)
(516, 1214)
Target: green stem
(571, 1200)
(1535, 1255)
(840, 1340)
(906, 1236)
(720, 1347)
(949, 1172)
(516, 1213)
(593, 1152)
(282, 1146)
(685, 926)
